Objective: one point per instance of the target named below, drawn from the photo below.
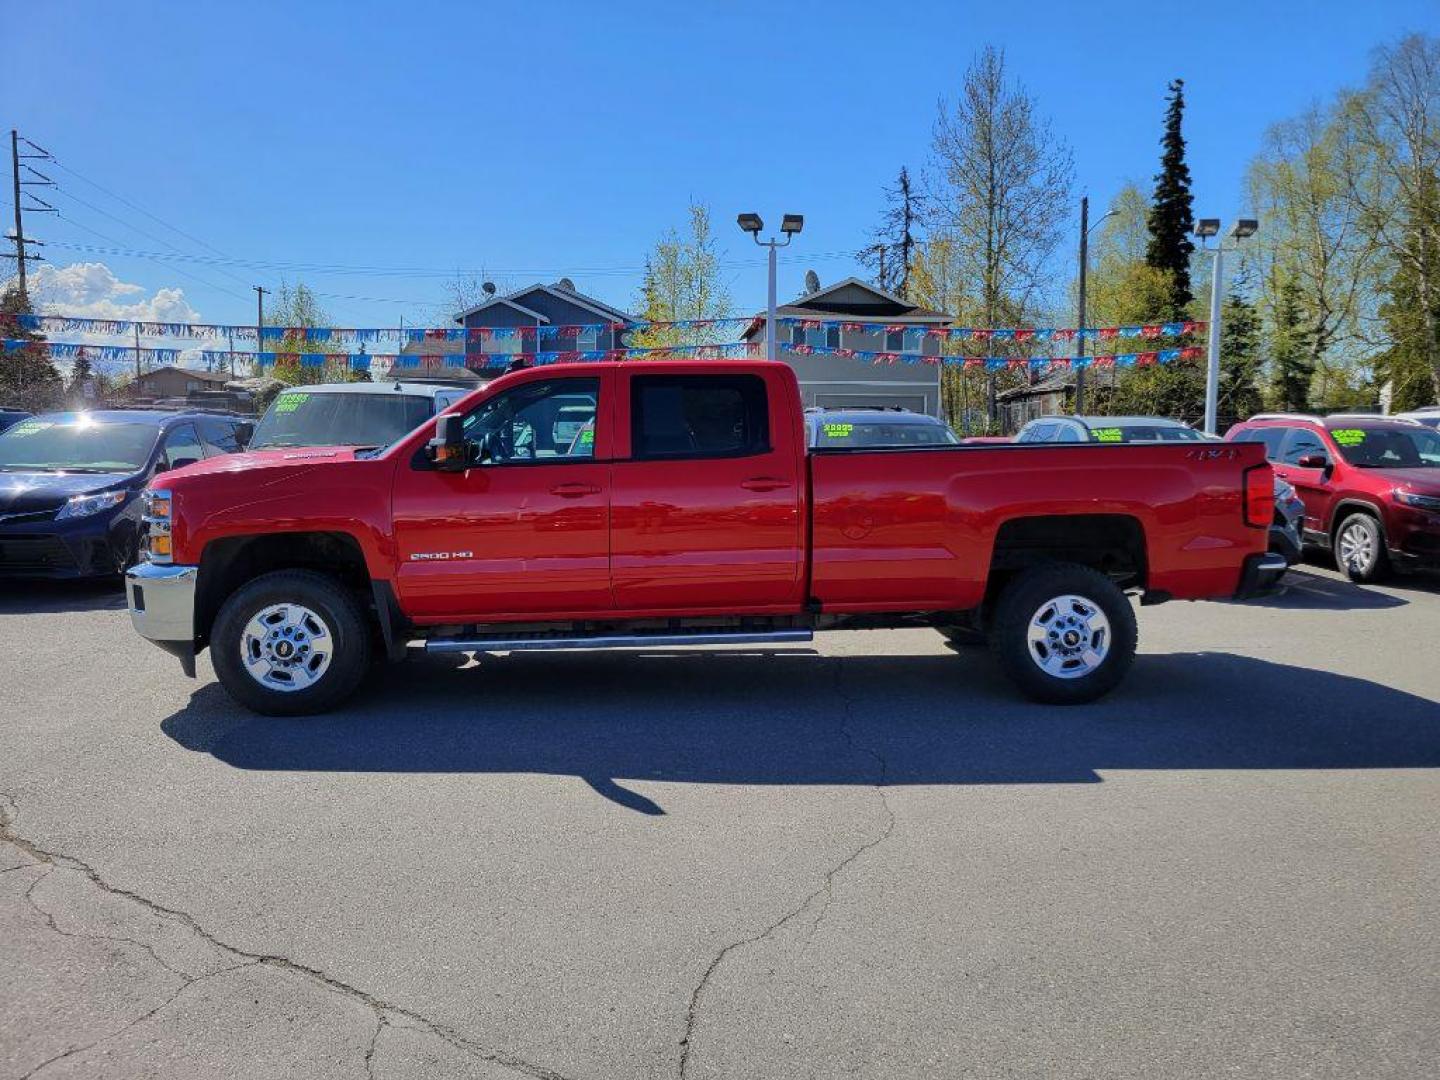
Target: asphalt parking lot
(870, 859)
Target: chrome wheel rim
(1357, 548)
(286, 647)
(1068, 637)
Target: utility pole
(260, 293)
(137, 354)
(19, 187)
(1080, 315)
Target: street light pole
(1205, 228)
(1085, 230)
(1212, 354)
(790, 225)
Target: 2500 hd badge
(440, 556)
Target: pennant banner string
(66, 324)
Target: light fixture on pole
(790, 225)
(1205, 228)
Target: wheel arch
(1344, 507)
(1114, 544)
(229, 562)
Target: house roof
(190, 373)
(608, 313)
(1057, 379)
(886, 307)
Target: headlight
(157, 526)
(86, 505)
(1420, 502)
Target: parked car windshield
(299, 418)
(76, 445)
(878, 432)
(1134, 433)
(1388, 447)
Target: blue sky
(564, 137)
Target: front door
(525, 530)
(1313, 485)
(706, 508)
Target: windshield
(299, 418)
(1137, 433)
(881, 433)
(76, 445)
(1388, 447)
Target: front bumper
(1260, 575)
(88, 547)
(162, 607)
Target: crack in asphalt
(826, 887)
(9, 813)
(185, 985)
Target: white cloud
(91, 290)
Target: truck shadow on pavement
(19, 596)
(794, 717)
(1303, 591)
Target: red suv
(1371, 485)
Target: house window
(895, 341)
(797, 335)
(588, 339)
(832, 338)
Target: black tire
(1360, 548)
(1023, 600)
(342, 617)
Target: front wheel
(1360, 548)
(290, 643)
(1064, 634)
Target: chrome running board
(619, 641)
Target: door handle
(764, 483)
(574, 491)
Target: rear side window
(693, 416)
(1272, 437)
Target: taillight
(1259, 496)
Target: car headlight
(1420, 502)
(86, 505)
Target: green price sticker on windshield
(1348, 436)
(1108, 434)
(839, 431)
(29, 427)
(288, 403)
(587, 437)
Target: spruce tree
(1292, 367)
(1172, 219)
(28, 377)
(1239, 396)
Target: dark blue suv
(69, 483)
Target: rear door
(707, 501)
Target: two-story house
(827, 379)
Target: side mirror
(244, 433)
(1313, 461)
(447, 449)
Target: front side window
(1300, 442)
(219, 437)
(182, 447)
(688, 416)
(552, 420)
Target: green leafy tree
(1172, 218)
(1292, 368)
(297, 309)
(1405, 364)
(683, 281)
(28, 377)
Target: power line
(112, 240)
(140, 209)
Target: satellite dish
(488, 288)
(812, 282)
(566, 284)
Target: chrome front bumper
(162, 607)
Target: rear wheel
(1064, 634)
(1360, 548)
(291, 643)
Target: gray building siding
(557, 310)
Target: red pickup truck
(663, 503)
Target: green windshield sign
(288, 403)
(1348, 436)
